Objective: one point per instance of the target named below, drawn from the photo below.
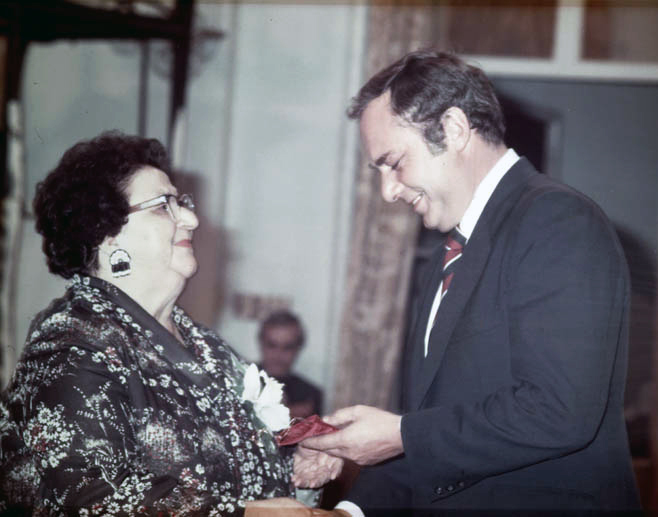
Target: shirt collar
(484, 190)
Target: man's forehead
(377, 110)
(375, 124)
(281, 332)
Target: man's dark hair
(424, 84)
(82, 200)
(282, 318)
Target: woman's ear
(105, 250)
(108, 245)
(113, 260)
(457, 128)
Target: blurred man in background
(281, 337)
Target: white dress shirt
(470, 218)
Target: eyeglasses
(172, 202)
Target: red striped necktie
(453, 247)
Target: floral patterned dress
(108, 413)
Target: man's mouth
(415, 200)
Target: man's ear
(457, 128)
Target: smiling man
(514, 379)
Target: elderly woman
(121, 403)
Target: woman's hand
(286, 507)
(313, 468)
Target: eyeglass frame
(181, 201)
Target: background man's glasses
(174, 204)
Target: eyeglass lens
(175, 203)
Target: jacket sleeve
(382, 487)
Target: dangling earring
(120, 263)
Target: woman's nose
(188, 218)
(391, 187)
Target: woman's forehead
(148, 181)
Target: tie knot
(455, 240)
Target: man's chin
(436, 223)
(429, 223)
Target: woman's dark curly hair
(82, 200)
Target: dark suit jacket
(519, 403)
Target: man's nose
(391, 187)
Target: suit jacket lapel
(467, 275)
(417, 337)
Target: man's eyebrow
(380, 161)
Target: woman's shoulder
(77, 318)
(67, 339)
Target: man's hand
(314, 469)
(367, 435)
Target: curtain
(383, 242)
(12, 216)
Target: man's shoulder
(528, 190)
(544, 194)
(297, 382)
(297, 389)
(533, 183)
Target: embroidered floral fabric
(107, 413)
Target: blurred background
(250, 99)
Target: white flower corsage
(266, 394)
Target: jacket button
(450, 488)
(439, 490)
(461, 484)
